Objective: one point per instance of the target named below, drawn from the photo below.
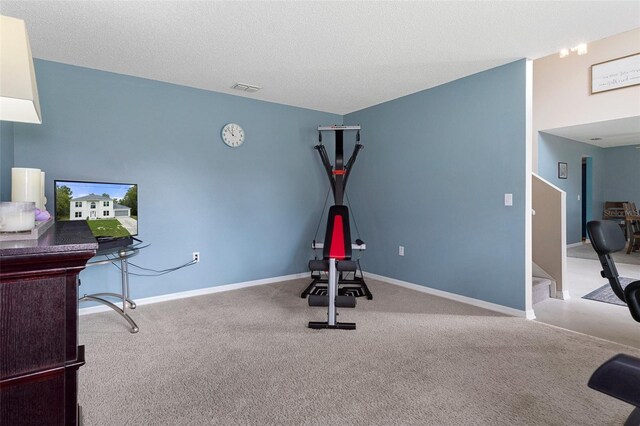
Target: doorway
(586, 194)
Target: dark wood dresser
(39, 352)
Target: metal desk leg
(124, 263)
(124, 268)
(132, 304)
(134, 327)
(124, 297)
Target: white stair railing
(549, 232)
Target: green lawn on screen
(107, 228)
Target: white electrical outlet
(508, 199)
(400, 250)
(196, 256)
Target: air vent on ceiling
(250, 88)
(595, 139)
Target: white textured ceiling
(333, 56)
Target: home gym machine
(336, 291)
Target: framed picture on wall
(563, 170)
(615, 74)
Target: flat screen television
(110, 209)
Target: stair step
(541, 288)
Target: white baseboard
(528, 314)
(581, 243)
(563, 295)
(198, 292)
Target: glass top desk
(122, 255)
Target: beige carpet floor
(246, 357)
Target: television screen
(110, 209)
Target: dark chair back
(606, 238)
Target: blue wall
(622, 180)
(432, 178)
(614, 175)
(251, 212)
(6, 159)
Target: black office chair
(607, 238)
(620, 376)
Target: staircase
(543, 285)
(541, 289)
(549, 245)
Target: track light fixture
(580, 49)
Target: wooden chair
(632, 220)
(614, 210)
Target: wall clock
(233, 135)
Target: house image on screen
(94, 206)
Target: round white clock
(233, 135)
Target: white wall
(561, 88)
